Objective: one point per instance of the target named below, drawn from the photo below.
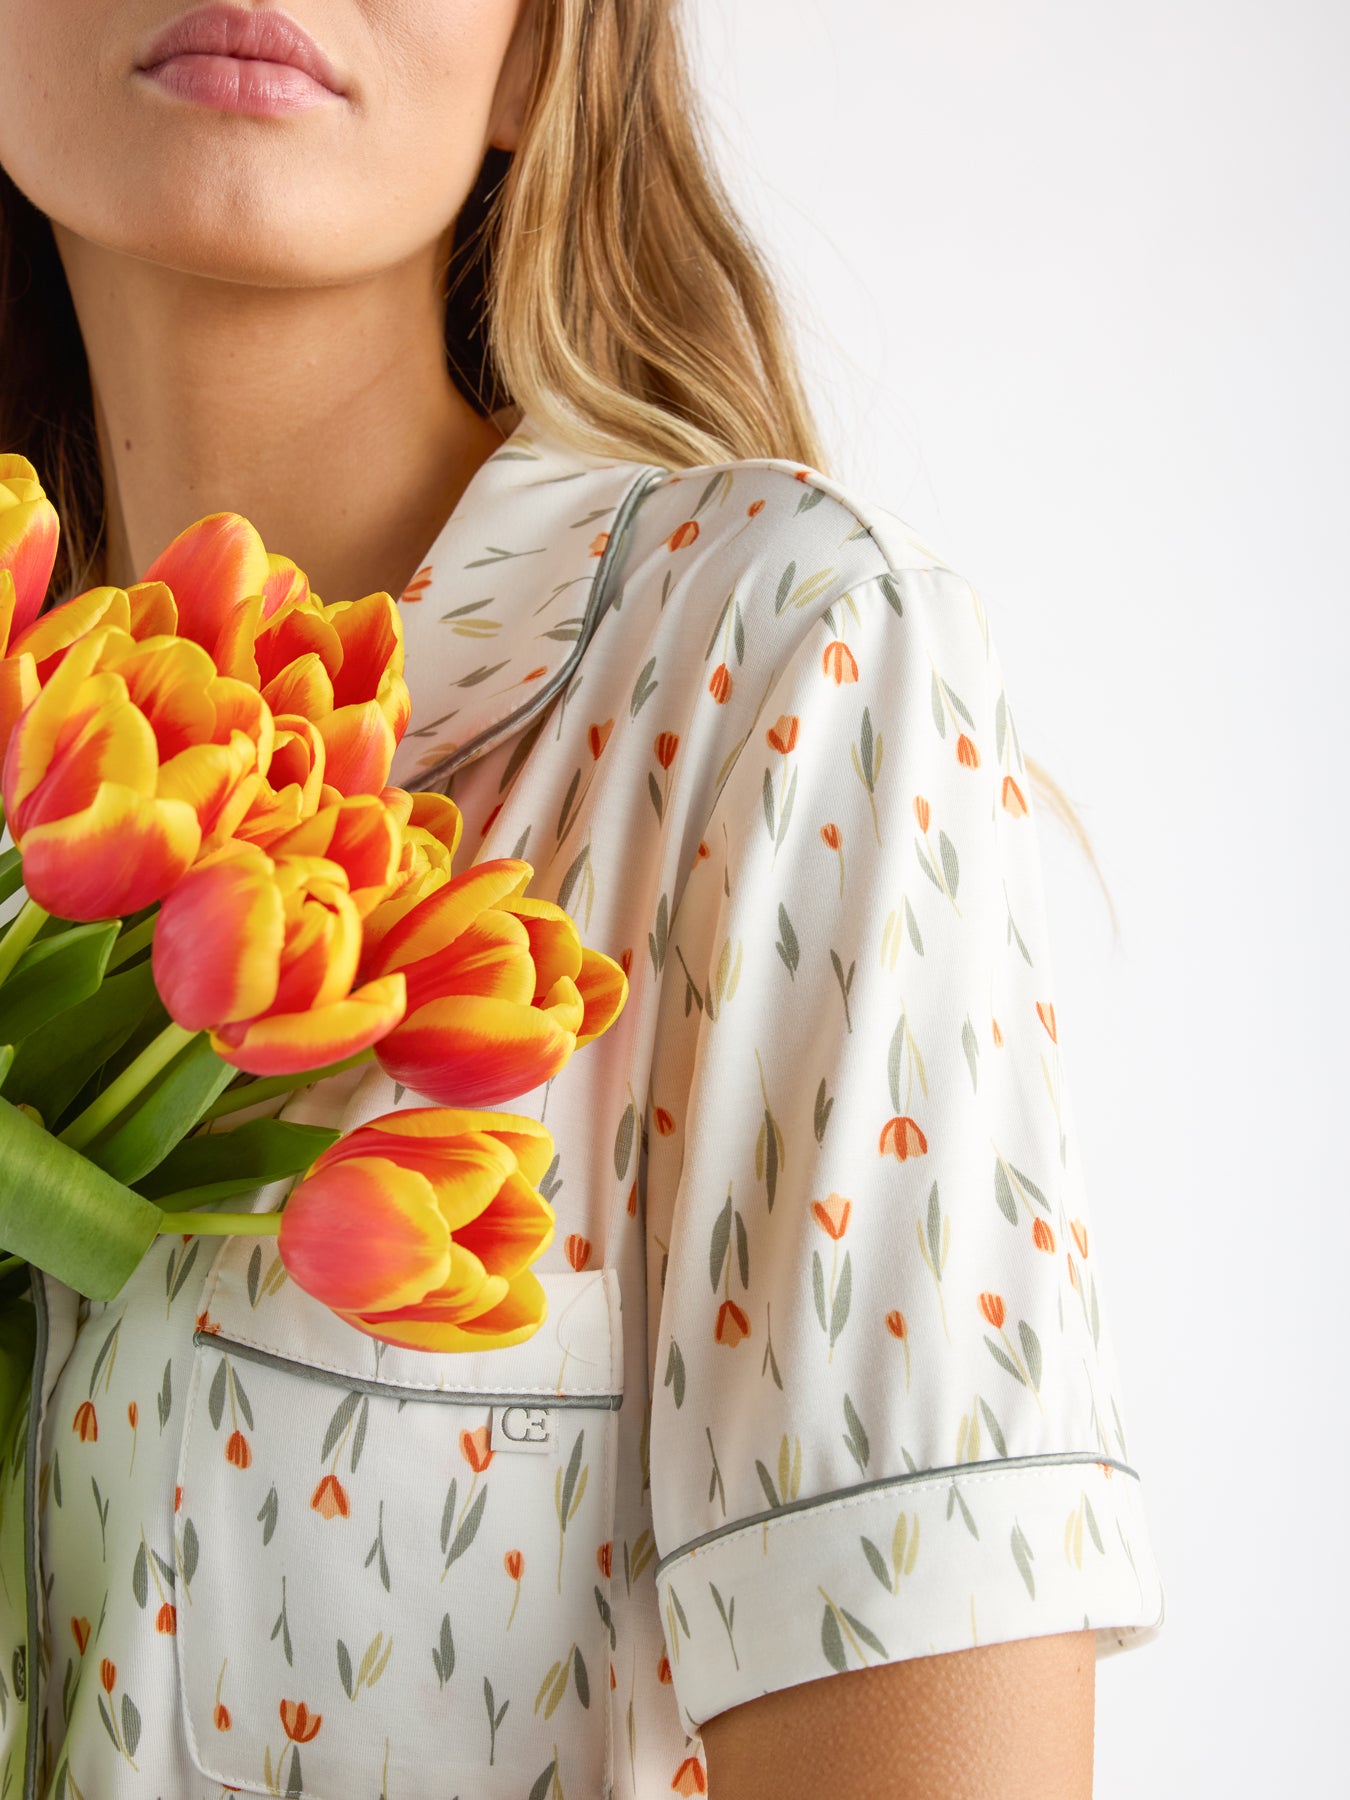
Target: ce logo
(525, 1424)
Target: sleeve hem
(918, 1566)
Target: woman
(815, 1477)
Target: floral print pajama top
(827, 1378)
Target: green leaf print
(215, 1400)
(1031, 1350)
(1003, 1193)
(877, 1563)
(675, 1372)
(623, 1141)
(583, 1680)
(1004, 1361)
(338, 1424)
(768, 801)
(787, 946)
(443, 1657)
(869, 1638)
(1030, 1186)
(939, 712)
(165, 1401)
(766, 1482)
(856, 1439)
(832, 1643)
(140, 1577)
(818, 1287)
(842, 1296)
(267, 1514)
(643, 689)
(467, 1530)
(892, 594)
(720, 1241)
(823, 1108)
(131, 1724)
(784, 588)
(344, 1663)
(742, 1250)
(540, 1789)
(1022, 1556)
(951, 866)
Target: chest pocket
(394, 1567)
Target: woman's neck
(325, 415)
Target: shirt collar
(498, 615)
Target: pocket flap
(252, 1304)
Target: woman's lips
(239, 84)
(239, 60)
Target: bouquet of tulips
(213, 897)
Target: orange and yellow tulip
(419, 1228)
(29, 532)
(263, 952)
(129, 758)
(501, 990)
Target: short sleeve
(887, 1420)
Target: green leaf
(832, 1643)
(71, 1219)
(250, 1155)
(54, 1062)
(52, 976)
(164, 1114)
(11, 873)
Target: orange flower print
(613, 1678)
(1073, 1272)
(514, 1563)
(903, 1138)
(166, 1619)
(85, 1422)
(578, 1249)
(703, 852)
(719, 684)
(1079, 1230)
(683, 535)
(474, 1445)
(237, 1452)
(839, 663)
(632, 1201)
(133, 1414)
(830, 836)
(80, 1632)
(666, 744)
(178, 1498)
(663, 1671)
(1042, 1236)
(107, 1674)
(598, 736)
(419, 584)
(534, 674)
(732, 1324)
(490, 820)
(755, 508)
(997, 1034)
(1046, 1015)
(895, 1324)
(298, 1722)
(782, 734)
(1013, 799)
(329, 1499)
(922, 812)
(966, 753)
(690, 1777)
(599, 543)
(991, 1305)
(605, 1556)
(222, 1718)
(204, 1322)
(832, 1215)
(626, 961)
(665, 1122)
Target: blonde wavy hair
(600, 278)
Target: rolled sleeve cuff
(914, 1565)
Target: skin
(260, 305)
(1010, 1721)
(258, 296)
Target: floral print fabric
(827, 1378)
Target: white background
(1075, 293)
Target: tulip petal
(364, 1235)
(451, 909)
(122, 852)
(232, 905)
(210, 568)
(517, 1316)
(360, 747)
(371, 635)
(291, 1043)
(511, 1233)
(468, 1051)
(49, 637)
(490, 957)
(19, 687)
(603, 987)
(466, 1171)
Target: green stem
(193, 1224)
(235, 1099)
(120, 1093)
(129, 942)
(11, 1262)
(28, 921)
